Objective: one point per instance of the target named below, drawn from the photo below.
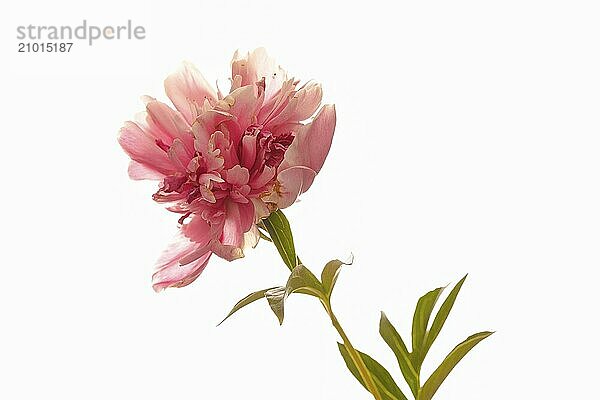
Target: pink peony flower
(225, 162)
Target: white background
(467, 141)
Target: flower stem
(282, 228)
(354, 355)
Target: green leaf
(330, 274)
(279, 230)
(438, 376)
(301, 280)
(263, 236)
(383, 380)
(276, 298)
(420, 321)
(251, 298)
(394, 340)
(441, 317)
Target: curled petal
(207, 194)
(304, 158)
(293, 182)
(312, 142)
(237, 175)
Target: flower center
(270, 148)
(274, 147)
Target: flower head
(225, 162)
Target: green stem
(354, 355)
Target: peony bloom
(225, 162)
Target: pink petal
(239, 195)
(251, 237)
(188, 90)
(142, 148)
(246, 211)
(248, 151)
(170, 123)
(170, 273)
(300, 107)
(305, 157)
(232, 229)
(194, 255)
(243, 104)
(179, 156)
(238, 220)
(197, 230)
(312, 142)
(293, 181)
(179, 276)
(139, 171)
(255, 66)
(237, 175)
(207, 194)
(221, 146)
(261, 210)
(229, 247)
(277, 102)
(227, 252)
(309, 99)
(261, 179)
(239, 71)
